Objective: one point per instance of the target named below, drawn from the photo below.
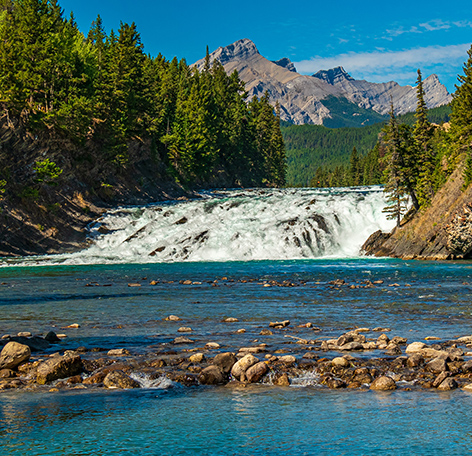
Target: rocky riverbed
(363, 358)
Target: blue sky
(376, 41)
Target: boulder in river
(256, 372)
(225, 361)
(14, 354)
(59, 367)
(239, 369)
(212, 375)
(383, 383)
(118, 379)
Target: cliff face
(443, 231)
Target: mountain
(329, 97)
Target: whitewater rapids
(239, 225)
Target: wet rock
(24, 334)
(173, 318)
(197, 358)
(351, 346)
(383, 383)
(7, 373)
(252, 350)
(379, 328)
(34, 343)
(340, 362)
(75, 380)
(256, 372)
(231, 320)
(437, 365)
(184, 329)
(369, 346)
(14, 354)
(448, 384)
(288, 359)
(183, 340)
(266, 332)
(212, 346)
(393, 350)
(399, 340)
(279, 324)
(118, 379)
(467, 366)
(415, 347)
(212, 375)
(415, 360)
(335, 383)
(283, 380)
(467, 387)
(239, 368)
(51, 337)
(118, 352)
(440, 378)
(59, 367)
(383, 339)
(225, 361)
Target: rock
(393, 349)
(35, 343)
(335, 383)
(340, 362)
(51, 337)
(239, 368)
(14, 354)
(351, 346)
(197, 358)
(437, 365)
(415, 347)
(266, 332)
(240, 331)
(288, 359)
(212, 375)
(467, 387)
(72, 326)
(399, 340)
(432, 338)
(379, 328)
(24, 334)
(59, 367)
(415, 360)
(212, 346)
(448, 384)
(345, 339)
(369, 346)
(225, 361)
(283, 380)
(383, 339)
(118, 379)
(383, 383)
(184, 329)
(7, 373)
(118, 352)
(183, 340)
(172, 318)
(231, 320)
(279, 324)
(252, 350)
(440, 378)
(467, 366)
(256, 372)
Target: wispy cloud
(377, 62)
(430, 26)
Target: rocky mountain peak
(285, 63)
(240, 50)
(334, 75)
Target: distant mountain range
(329, 97)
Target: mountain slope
(308, 99)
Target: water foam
(272, 224)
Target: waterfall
(240, 225)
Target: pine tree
(461, 117)
(355, 177)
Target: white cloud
(435, 25)
(376, 62)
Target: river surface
(226, 277)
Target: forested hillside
(320, 156)
(94, 117)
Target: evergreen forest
(92, 106)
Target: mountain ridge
(302, 98)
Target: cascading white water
(274, 224)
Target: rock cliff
(303, 98)
(439, 232)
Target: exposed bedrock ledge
(442, 231)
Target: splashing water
(273, 224)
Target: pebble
(289, 359)
(266, 332)
(118, 352)
(197, 358)
(231, 320)
(240, 331)
(173, 318)
(73, 326)
(134, 284)
(340, 362)
(24, 334)
(183, 340)
(432, 338)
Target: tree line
(55, 82)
